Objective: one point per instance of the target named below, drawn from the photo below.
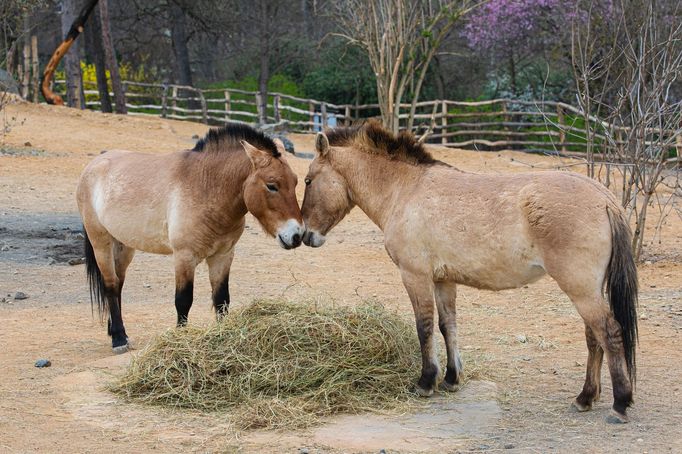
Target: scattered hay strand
(279, 364)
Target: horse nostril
(297, 239)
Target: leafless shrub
(627, 60)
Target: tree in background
(401, 39)
(519, 33)
(110, 56)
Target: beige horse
(444, 227)
(190, 204)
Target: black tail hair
(621, 287)
(95, 280)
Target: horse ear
(280, 145)
(321, 144)
(258, 157)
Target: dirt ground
(530, 341)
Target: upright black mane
(231, 134)
(372, 137)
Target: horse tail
(95, 280)
(621, 286)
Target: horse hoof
(120, 349)
(445, 386)
(580, 408)
(424, 392)
(617, 418)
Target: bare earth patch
(531, 340)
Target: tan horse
(190, 204)
(444, 227)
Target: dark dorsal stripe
(231, 134)
(372, 137)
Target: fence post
(164, 101)
(174, 101)
(27, 68)
(311, 113)
(324, 115)
(228, 105)
(444, 122)
(346, 116)
(562, 123)
(34, 68)
(124, 87)
(678, 146)
(275, 106)
(204, 108)
(259, 108)
(506, 118)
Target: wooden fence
(537, 126)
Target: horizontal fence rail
(534, 126)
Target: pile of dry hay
(280, 364)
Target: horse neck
(376, 184)
(222, 175)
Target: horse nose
(306, 237)
(296, 240)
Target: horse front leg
(420, 290)
(446, 298)
(219, 274)
(185, 264)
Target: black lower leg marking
(427, 381)
(115, 326)
(183, 302)
(221, 298)
(453, 371)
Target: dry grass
(278, 364)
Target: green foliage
(341, 76)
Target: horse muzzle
(290, 235)
(313, 239)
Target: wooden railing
(537, 126)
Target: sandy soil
(65, 406)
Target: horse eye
(271, 187)
(307, 181)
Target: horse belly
(494, 267)
(144, 230)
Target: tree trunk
(110, 55)
(183, 70)
(263, 78)
(72, 65)
(95, 50)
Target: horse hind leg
(592, 387)
(446, 296)
(104, 283)
(123, 255)
(608, 334)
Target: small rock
(643, 317)
(639, 440)
(20, 296)
(28, 144)
(80, 236)
(522, 338)
(383, 451)
(4, 248)
(648, 262)
(303, 451)
(509, 446)
(195, 137)
(78, 261)
(147, 285)
(43, 363)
